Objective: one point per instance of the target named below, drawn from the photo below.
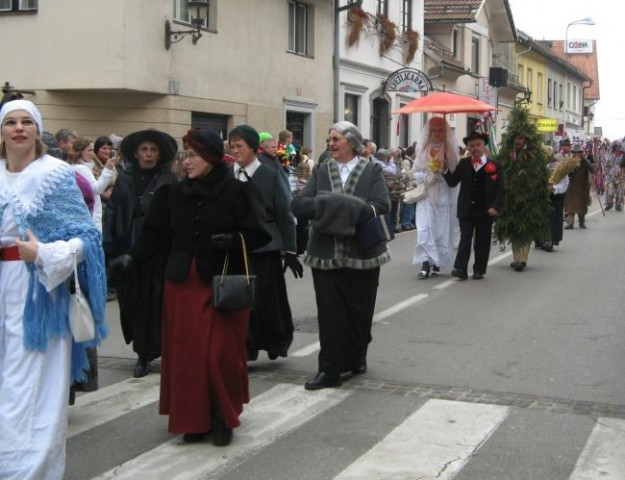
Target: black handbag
(373, 233)
(235, 292)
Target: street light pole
(581, 21)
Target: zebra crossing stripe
(269, 416)
(604, 453)
(435, 442)
(111, 402)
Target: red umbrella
(445, 102)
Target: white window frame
(476, 46)
(22, 5)
(295, 24)
(34, 5)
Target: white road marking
(314, 347)
(433, 443)
(109, 403)
(268, 417)
(398, 307)
(604, 453)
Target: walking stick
(594, 187)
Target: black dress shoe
(323, 380)
(221, 435)
(142, 367)
(520, 266)
(361, 370)
(478, 276)
(193, 437)
(459, 273)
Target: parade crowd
(152, 225)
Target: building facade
(276, 64)
(110, 72)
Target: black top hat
(167, 146)
(475, 135)
(566, 142)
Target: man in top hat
(479, 200)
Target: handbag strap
(76, 283)
(245, 261)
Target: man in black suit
(479, 200)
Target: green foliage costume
(523, 217)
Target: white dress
(435, 218)
(34, 385)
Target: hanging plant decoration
(387, 33)
(356, 18)
(411, 40)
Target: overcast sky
(548, 20)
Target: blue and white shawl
(54, 210)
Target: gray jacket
(335, 213)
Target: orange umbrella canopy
(445, 102)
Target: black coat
(140, 290)
(183, 217)
(125, 210)
(463, 174)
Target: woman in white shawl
(43, 221)
(436, 213)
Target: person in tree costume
(526, 196)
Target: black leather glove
(291, 261)
(221, 241)
(121, 264)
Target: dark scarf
(210, 185)
(142, 178)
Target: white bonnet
(25, 105)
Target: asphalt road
(516, 376)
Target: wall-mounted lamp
(526, 96)
(199, 10)
(591, 115)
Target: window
(18, 5)
(568, 95)
(549, 92)
(539, 88)
(475, 55)
(556, 97)
(210, 120)
(299, 17)
(351, 108)
(183, 14)
(521, 70)
(406, 15)
(560, 96)
(381, 7)
(456, 43)
(530, 79)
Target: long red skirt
(203, 365)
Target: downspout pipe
(336, 59)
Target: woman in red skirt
(204, 381)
